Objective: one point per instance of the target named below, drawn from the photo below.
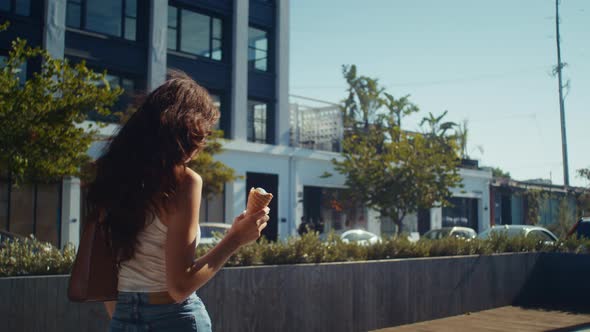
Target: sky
(487, 62)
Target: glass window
(257, 121)
(4, 196)
(216, 39)
(540, 235)
(257, 49)
(21, 72)
(172, 27)
(128, 85)
(217, 103)
(47, 213)
(130, 19)
(212, 209)
(195, 33)
(74, 14)
(23, 7)
(101, 16)
(5, 5)
(21, 210)
(19, 7)
(111, 17)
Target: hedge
(32, 257)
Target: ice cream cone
(258, 199)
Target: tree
(584, 173)
(497, 172)
(363, 101)
(214, 173)
(388, 168)
(41, 136)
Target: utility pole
(566, 176)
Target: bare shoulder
(189, 179)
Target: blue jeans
(133, 313)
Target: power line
(314, 99)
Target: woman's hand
(247, 228)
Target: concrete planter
(356, 296)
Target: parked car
(360, 236)
(458, 232)
(208, 230)
(541, 233)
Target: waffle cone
(257, 200)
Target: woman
(151, 205)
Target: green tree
(41, 136)
(565, 218)
(584, 173)
(390, 169)
(214, 173)
(363, 101)
(497, 172)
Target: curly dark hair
(135, 175)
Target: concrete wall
(356, 296)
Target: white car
(541, 233)
(208, 230)
(360, 236)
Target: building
(533, 202)
(237, 49)
(316, 128)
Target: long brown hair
(136, 173)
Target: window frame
(82, 20)
(178, 35)
(268, 48)
(138, 83)
(12, 9)
(268, 138)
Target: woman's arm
(110, 306)
(184, 275)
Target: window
(257, 49)
(21, 210)
(31, 209)
(128, 85)
(47, 214)
(194, 33)
(18, 7)
(217, 102)
(540, 235)
(21, 72)
(257, 122)
(213, 208)
(4, 203)
(112, 17)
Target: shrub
(29, 256)
(32, 257)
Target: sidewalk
(504, 319)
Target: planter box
(355, 296)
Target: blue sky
(488, 62)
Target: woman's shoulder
(188, 177)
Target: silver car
(360, 236)
(209, 229)
(458, 232)
(510, 231)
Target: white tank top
(146, 271)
